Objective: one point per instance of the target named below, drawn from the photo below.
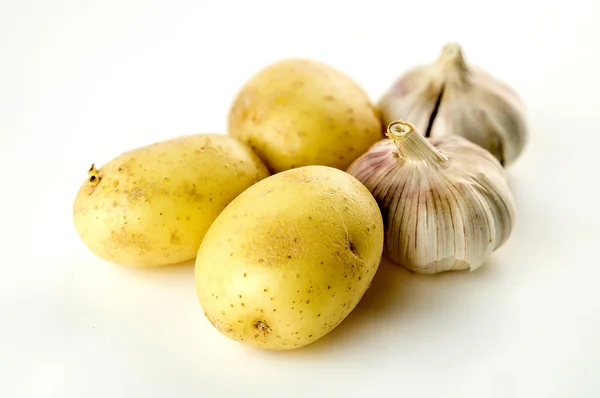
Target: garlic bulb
(450, 97)
(445, 202)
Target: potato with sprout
(152, 206)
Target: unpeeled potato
(290, 258)
(299, 112)
(152, 206)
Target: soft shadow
(395, 293)
(184, 269)
(389, 292)
(389, 289)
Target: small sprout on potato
(94, 177)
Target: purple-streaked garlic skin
(450, 97)
(445, 201)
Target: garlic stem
(453, 61)
(412, 145)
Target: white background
(81, 82)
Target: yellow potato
(299, 112)
(152, 206)
(290, 257)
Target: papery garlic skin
(445, 202)
(450, 97)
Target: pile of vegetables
(289, 214)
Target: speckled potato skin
(299, 112)
(290, 258)
(152, 206)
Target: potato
(290, 257)
(152, 206)
(299, 112)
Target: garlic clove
(449, 96)
(445, 201)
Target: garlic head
(445, 201)
(449, 96)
